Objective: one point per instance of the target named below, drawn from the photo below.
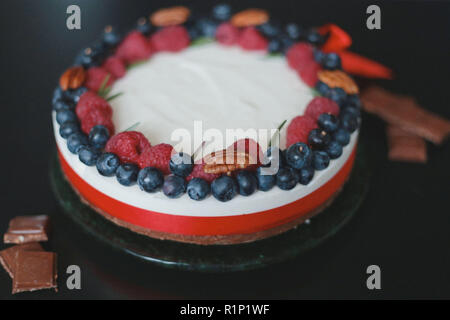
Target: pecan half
(338, 79)
(250, 17)
(226, 161)
(170, 16)
(72, 78)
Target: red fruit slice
(337, 40)
(362, 66)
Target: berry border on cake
(81, 104)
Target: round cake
(221, 129)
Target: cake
(222, 129)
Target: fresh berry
(88, 58)
(157, 156)
(150, 179)
(58, 94)
(227, 34)
(207, 27)
(308, 73)
(75, 141)
(198, 189)
(265, 182)
(66, 129)
(63, 104)
(144, 26)
(305, 175)
(342, 136)
(314, 37)
(96, 117)
(251, 39)
(275, 46)
(174, 186)
(269, 29)
(192, 29)
(173, 39)
(299, 128)
(111, 37)
(300, 55)
(181, 164)
(286, 178)
(334, 150)
(221, 12)
(321, 160)
(294, 31)
(323, 88)
(338, 95)
(349, 121)
(127, 174)
(355, 111)
(107, 164)
(88, 155)
(115, 67)
(331, 61)
(274, 156)
(96, 76)
(320, 105)
(328, 122)
(135, 47)
(286, 43)
(319, 139)
(89, 101)
(249, 146)
(319, 55)
(98, 136)
(128, 146)
(298, 155)
(64, 116)
(246, 181)
(198, 172)
(353, 100)
(224, 188)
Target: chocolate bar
(404, 112)
(7, 256)
(25, 229)
(404, 146)
(34, 271)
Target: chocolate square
(404, 146)
(8, 256)
(25, 229)
(34, 271)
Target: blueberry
(75, 94)
(88, 155)
(269, 29)
(88, 57)
(207, 27)
(318, 139)
(349, 121)
(328, 122)
(314, 37)
(298, 155)
(294, 31)
(321, 160)
(287, 178)
(98, 136)
(181, 164)
(224, 188)
(265, 182)
(127, 174)
(192, 29)
(334, 150)
(57, 95)
(144, 26)
(319, 55)
(150, 179)
(63, 104)
(198, 189)
(275, 46)
(342, 136)
(66, 129)
(338, 95)
(354, 101)
(222, 12)
(174, 186)
(75, 141)
(331, 61)
(352, 109)
(276, 156)
(247, 182)
(64, 116)
(286, 43)
(107, 164)
(305, 175)
(323, 88)
(111, 37)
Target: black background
(403, 225)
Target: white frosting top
(225, 88)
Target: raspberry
(251, 39)
(298, 130)
(198, 172)
(135, 47)
(115, 66)
(174, 39)
(157, 156)
(128, 146)
(299, 55)
(96, 117)
(227, 34)
(320, 105)
(308, 73)
(250, 146)
(90, 100)
(96, 76)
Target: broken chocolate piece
(34, 271)
(405, 112)
(27, 229)
(7, 256)
(404, 146)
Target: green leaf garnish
(114, 96)
(133, 127)
(202, 41)
(315, 93)
(275, 135)
(135, 64)
(101, 90)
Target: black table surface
(403, 225)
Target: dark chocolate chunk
(404, 146)
(25, 229)
(7, 256)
